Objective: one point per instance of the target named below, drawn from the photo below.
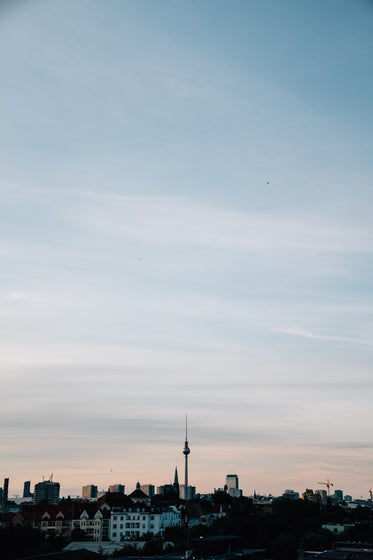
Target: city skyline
(87, 489)
(231, 487)
(185, 226)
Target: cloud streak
(307, 334)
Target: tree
(19, 541)
(151, 548)
(284, 547)
(221, 498)
(318, 540)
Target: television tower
(186, 452)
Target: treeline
(283, 527)
(16, 542)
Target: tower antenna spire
(186, 452)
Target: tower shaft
(186, 478)
(186, 452)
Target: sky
(185, 228)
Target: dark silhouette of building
(47, 491)
(138, 496)
(148, 489)
(4, 496)
(27, 489)
(176, 484)
(117, 488)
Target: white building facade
(134, 522)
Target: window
(114, 534)
(115, 526)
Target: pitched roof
(114, 499)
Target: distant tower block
(4, 497)
(89, 492)
(117, 488)
(186, 452)
(27, 489)
(232, 486)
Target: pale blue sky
(185, 225)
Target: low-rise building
(335, 528)
(139, 497)
(202, 513)
(134, 522)
(62, 519)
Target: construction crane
(328, 484)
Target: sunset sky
(186, 227)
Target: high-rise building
(191, 491)
(231, 480)
(323, 494)
(148, 489)
(338, 496)
(186, 452)
(89, 492)
(165, 489)
(27, 489)
(117, 488)
(312, 496)
(4, 496)
(47, 491)
(232, 486)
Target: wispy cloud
(174, 221)
(316, 336)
